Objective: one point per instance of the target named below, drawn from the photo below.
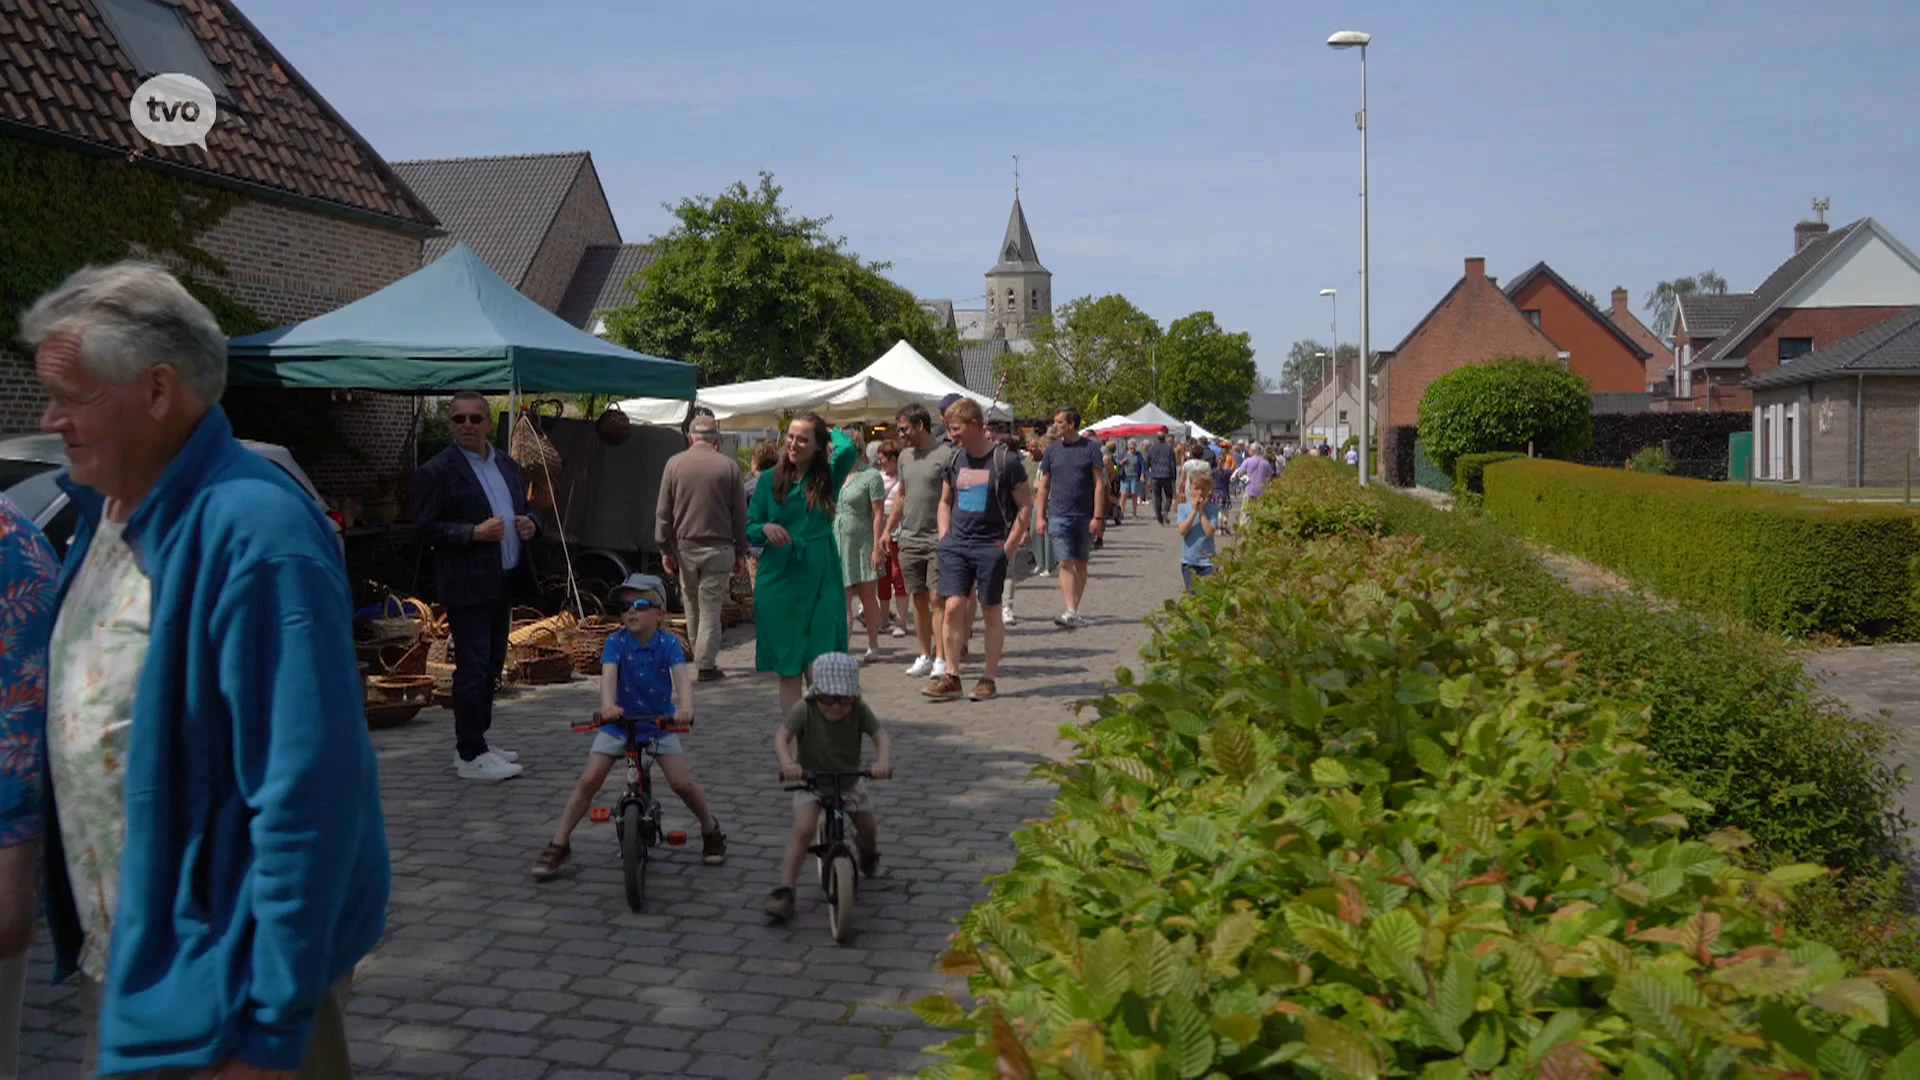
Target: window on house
(1012, 304)
(1533, 316)
(158, 40)
(1033, 300)
(1792, 348)
(1343, 416)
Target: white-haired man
(220, 862)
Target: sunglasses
(832, 701)
(641, 603)
(467, 418)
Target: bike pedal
(600, 813)
(676, 838)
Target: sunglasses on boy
(832, 701)
(641, 603)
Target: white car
(29, 465)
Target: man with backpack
(984, 505)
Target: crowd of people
(187, 784)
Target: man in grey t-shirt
(916, 514)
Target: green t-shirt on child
(830, 745)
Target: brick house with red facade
(324, 219)
(1836, 284)
(1592, 345)
(1475, 321)
(1659, 355)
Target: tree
(1304, 367)
(1206, 374)
(1265, 384)
(743, 289)
(1095, 355)
(1663, 299)
(1505, 404)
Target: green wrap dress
(799, 597)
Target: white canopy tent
(1194, 430)
(901, 377)
(1154, 414)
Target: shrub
(1319, 498)
(1428, 475)
(1729, 710)
(1651, 459)
(1507, 404)
(1355, 822)
(1466, 472)
(1396, 455)
(1774, 559)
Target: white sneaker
(1006, 615)
(921, 667)
(898, 630)
(1065, 619)
(508, 756)
(489, 767)
(1075, 620)
(939, 669)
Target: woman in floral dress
(859, 525)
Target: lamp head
(1328, 292)
(1347, 39)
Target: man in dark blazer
(470, 506)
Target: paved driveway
(484, 974)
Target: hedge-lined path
(1871, 679)
(485, 974)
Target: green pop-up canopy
(451, 325)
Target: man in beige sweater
(702, 529)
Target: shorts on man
(1072, 538)
(964, 569)
(919, 566)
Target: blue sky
(1189, 156)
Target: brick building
(1475, 321)
(323, 220)
(1659, 363)
(1846, 414)
(541, 221)
(1837, 283)
(1592, 344)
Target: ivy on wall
(64, 210)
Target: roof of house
(971, 323)
(501, 207)
(1017, 255)
(1768, 296)
(1659, 355)
(600, 281)
(1273, 408)
(1890, 346)
(65, 75)
(1541, 269)
(1503, 306)
(940, 310)
(1709, 315)
(979, 366)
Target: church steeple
(1019, 289)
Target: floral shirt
(99, 646)
(29, 577)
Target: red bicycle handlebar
(664, 723)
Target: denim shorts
(966, 569)
(1072, 538)
(666, 744)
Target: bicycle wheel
(633, 852)
(840, 890)
(820, 861)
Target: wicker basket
(589, 640)
(544, 667)
(405, 628)
(393, 714)
(442, 675)
(392, 689)
(552, 631)
(397, 659)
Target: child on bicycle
(644, 672)
(822, 733)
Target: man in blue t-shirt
(984, 505)
(1071, 507)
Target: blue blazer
(448, 502)
(255, 870)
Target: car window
(60, 529)
(12, 472)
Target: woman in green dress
(798, 600)
(859, 525)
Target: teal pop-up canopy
(451, 325)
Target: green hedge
(1356, 821)
(1467, 470)
(1777, 560)
(1426, 474)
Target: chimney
(1806, 232)
(1476, 267)
(1621, 305)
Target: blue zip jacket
(255, 871)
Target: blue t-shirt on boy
(645, 686)
(1196, 548)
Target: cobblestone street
(488, 975)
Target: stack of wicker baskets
(396, 653)
(589, 641)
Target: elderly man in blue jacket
(220, 860)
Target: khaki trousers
(704, 575)
(327, 1057)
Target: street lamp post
(1333, 350)
(1349, 39)
(1323, 380)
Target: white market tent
(901, 377)
(1194, 430)
(1154, 414)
